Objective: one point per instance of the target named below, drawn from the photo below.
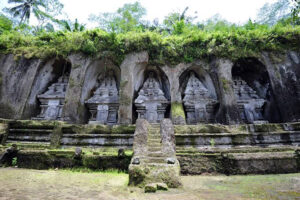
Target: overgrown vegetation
(228, 42)
(177, 40)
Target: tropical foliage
(127, 18)
(179, 39)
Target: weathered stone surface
(104, 104)
(47, 73)
(3, 133)
(52, 101)
(198, 103)
(228, 111)
(162, 186)
(151, 103)
(153, 163)
(73, 110)
(140, 138)
(151, 188)
(17, 78)
(168, 138)
(131, 66)
(284, 73)
(250, 104)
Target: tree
(271, 13)
(5, 24)
(72, 27)
(175, 17)
(127, 18)
(295, 11)
(24, 8)
(216, 23)
(43, 10)
(176, 22)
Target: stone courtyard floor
(26, 184)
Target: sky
(236, 11)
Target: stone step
(154, 140)
(159, 165)
(28, 138)
(153, 129)
(153, 137)
(155, 154)
(154, 149)
(29, 144)
(31, 131)
(154, 133)
(155, 160)
(154, 144)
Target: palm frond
(16, 1)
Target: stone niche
(249, 103)
(53, 99)
(152, 102)
(104, 103)
(198, 97)
(254, 96)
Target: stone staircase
(154, 154)
(154, 159)
(29, 134)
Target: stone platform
(205, 148)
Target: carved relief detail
(198, 103)
(52, 101)
(151, 103)
(250, 104)
(104, 104)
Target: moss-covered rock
(151, 188)
(3, 133)
(140, 175)
(201, 128)
(177, 111)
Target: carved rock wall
(21, 81)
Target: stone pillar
(74, 108)
(168, 138)
(140, 138)
(228, 112)
(128, 66)
(177, 111)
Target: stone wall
(22, 80)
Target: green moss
(33, 124)
(177, 110)
(56, 136)
(201, 128)
(226, 84)
(123, 84)
(123, 129)
(71, 82)
(268, 127)
(296, 126)
(276, 57)
(124, 99)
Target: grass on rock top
(231, 42)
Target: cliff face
(274, 78)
